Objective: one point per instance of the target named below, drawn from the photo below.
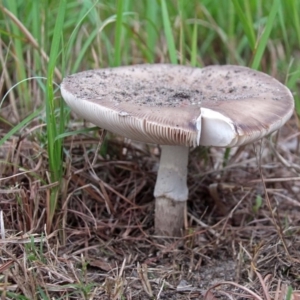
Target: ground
(241, 236)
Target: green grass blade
(182, 37)
(36, 30)
(265, 36)
(295, 8)
(247, 25)
(16, 296)
(283, 28)
(54, 147)
(118, 33)
(293, 78)
(75, 132)
(126, 36)
(231, 20)
(42, 294)
(168, 32)
(18, 45)
(84, 48)
(151, 16)
(83, 14)
(194, 48)
(20, 126)
(289, 294)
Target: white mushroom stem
(171, 191)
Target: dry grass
(243, 218)
(241, 238)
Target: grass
(97, 205)
(55, 124)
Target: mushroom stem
(171, 191)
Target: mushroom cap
(223, 106)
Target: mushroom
(179, 107)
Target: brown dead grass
(102, 244)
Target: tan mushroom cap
(221, 106)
